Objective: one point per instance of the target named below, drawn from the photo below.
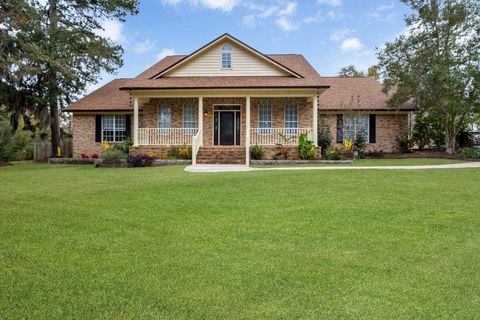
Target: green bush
(306, 148)
(19, 147)
(184, 152)
(5, 136)
(334, 153)
(257, 152)
(324, 138)
(111, 156)
(124, 146)
(141, 160)
(469, 153)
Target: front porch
(223, 121)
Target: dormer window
(226, 56)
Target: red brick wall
(389, 128)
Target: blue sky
(329, 33)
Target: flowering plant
(105, 145)
(152, 154)
(94, 155)
(348, 145)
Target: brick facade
(83, 131)
(389, 128)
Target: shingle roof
(343, 94)
(355, 94)
(295, 62)
(106, 98)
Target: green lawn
(149, 243)
(376, 162)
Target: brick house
(226, 97)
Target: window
(114, 128)
(354, 125)
(265, 117)
(226, 56)
(189, 116)
(291, 118)
(164, 117)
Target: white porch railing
(196, 144)
(166, 137)
(273, 136)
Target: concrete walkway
(209, 168)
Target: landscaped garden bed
(281, 162)
(71, 160)
(157, 163)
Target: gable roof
(359, 94)
(106, 98)
(296, 62)
(212, 43)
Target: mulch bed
(4, 164)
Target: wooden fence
(42, 149)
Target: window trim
(229, 51)
(158, 115)
(355, 116)
(114, 128)
(292, 129)
(194, 116)
(265, 130)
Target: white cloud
(351, 44)
(333, 3)
(171, 2)
(289, 9)
(224, 5)
(282, 13)
(285, 24)
(113, 30)
(340, 34)
(383, 13)
(165, 52)
(144, 46)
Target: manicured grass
(377, 162)
(150, 243)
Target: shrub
(469, 153)
(180, 152)
(324, 139)
(306, 148)
(111, 156)
(124, 146)
(374, 154)
(20, 146)
(334, 153)
(257, 152)
(141, 160)
(360, 141)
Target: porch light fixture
(205, 113)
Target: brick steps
(221, 155)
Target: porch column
(247, 132)
(315, 120)
(135, 122)
(200, 119)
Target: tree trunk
(55, 129)
(450, 142)
(52, 79)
